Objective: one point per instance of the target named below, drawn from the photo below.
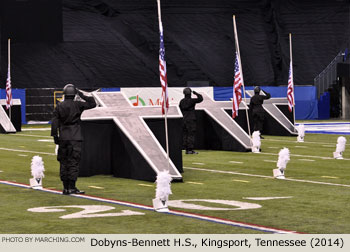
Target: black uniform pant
(188, 134)
(69, 153)
(258, 119)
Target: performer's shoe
(65, 192)
(191, 152)
(75, 191)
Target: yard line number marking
(89, 211)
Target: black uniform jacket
(256, 102)
(66, 118)
(187, 106)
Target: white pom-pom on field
(37, 170)
(37, 167)
(163, 190)
(163, 185)
(256, 141)
(341, 142)
(283, 159)
(301, 132)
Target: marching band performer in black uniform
(65, 129)
(257, 110)
(187, 106)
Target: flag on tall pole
(290, 89)
(9, 101)
(163, 81)
(162, 68)
(237, 84)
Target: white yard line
(199, 163)
(235, 162)
(306, 142)
(263, 176)
(195, 183)
(45, 140)
(270, 161)
(243, 181)
(331, 177)
(27, 151)
(145, 185)
(25, 135)
(96, 187)
(307, 160)
(298, 155)
(36, 129)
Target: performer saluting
(187, 106)
(65, 129)
(258, 111)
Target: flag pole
(291, 60)
(240, 67)
(9, 67)
(164, 96)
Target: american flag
(162, 72)
(237, 93)
(9, 102)
(290, 89)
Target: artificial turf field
(313, 199)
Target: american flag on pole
(162, 72)
(9, 101)
(290, 89)
(238, 82)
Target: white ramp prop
(5, 122)
(37, 168)
(271, 107)
(216, 110)
(301, 133)
(256, 142)
(338, 154)
(130, 120)
(163, 190)
(283, 159)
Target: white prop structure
(256, 142)
(301, 133)
(163, 190)
(37, 168)
(338, 154)
(283, 159)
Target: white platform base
(300, 139)
(35, 183)
(338, 155)
(255, 149)
(278, 174)
(160, 206)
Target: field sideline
(222, 192)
